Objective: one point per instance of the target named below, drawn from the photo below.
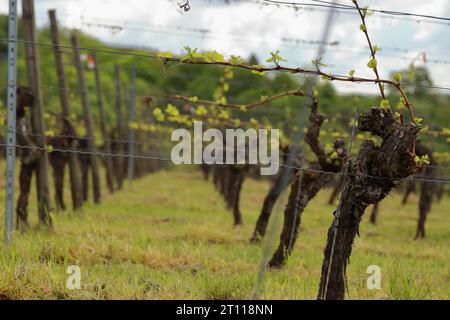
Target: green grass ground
(168, 236)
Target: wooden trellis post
(74, 167)
(131, 130)
(87, 118)
(119, 129)
(106, 136)
(37, 114)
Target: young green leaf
(275, 58)
(163, 55)
(425, 159)
(235, 60)
(384, 104)
(418, 120)
(315, 92)
(213, 56)
(171, 110)
(372, 64)
(258, 66)
(193, 99)
(158, 114)
(201, 111)
(318, 63)
(398, 77)
(401, 104)
(228, 73)
(224, 115)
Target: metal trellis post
(11, 126)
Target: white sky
(243, 28)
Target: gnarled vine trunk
(228, 180)
(427, 188)
(337, 187)
(374, 214)
(269, 202)
(368, 179)
(305, 187)
(236, 176)
(410, 188)
(206, 168)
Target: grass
(169, 236)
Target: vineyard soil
(169, 235)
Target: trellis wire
(151, 56)
(99, 153)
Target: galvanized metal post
(11, 126)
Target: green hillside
(154, 78)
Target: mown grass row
(168, 236)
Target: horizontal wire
(200, 32)
(346, 9)
(323, 8)
(124, 155)
(203, 32)
(245, 40)
(143, 55)
(146, 143)
(340, 6)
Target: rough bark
(37, 112)
(427, 188)
(410, 188)
(368, 179)
(88, 118)
(205, 170)
(118, 147)
(26, 173)
(28, 156)
(228, 180)
(337, 187)
(58, 162)
(374, 214)
(75, 182)
(306, 186)
(272, 196)
(58, 159)
(440, 192)
(85, 162)
(107, 143)
(269, 202)
(237, 175)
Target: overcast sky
(243, 27)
